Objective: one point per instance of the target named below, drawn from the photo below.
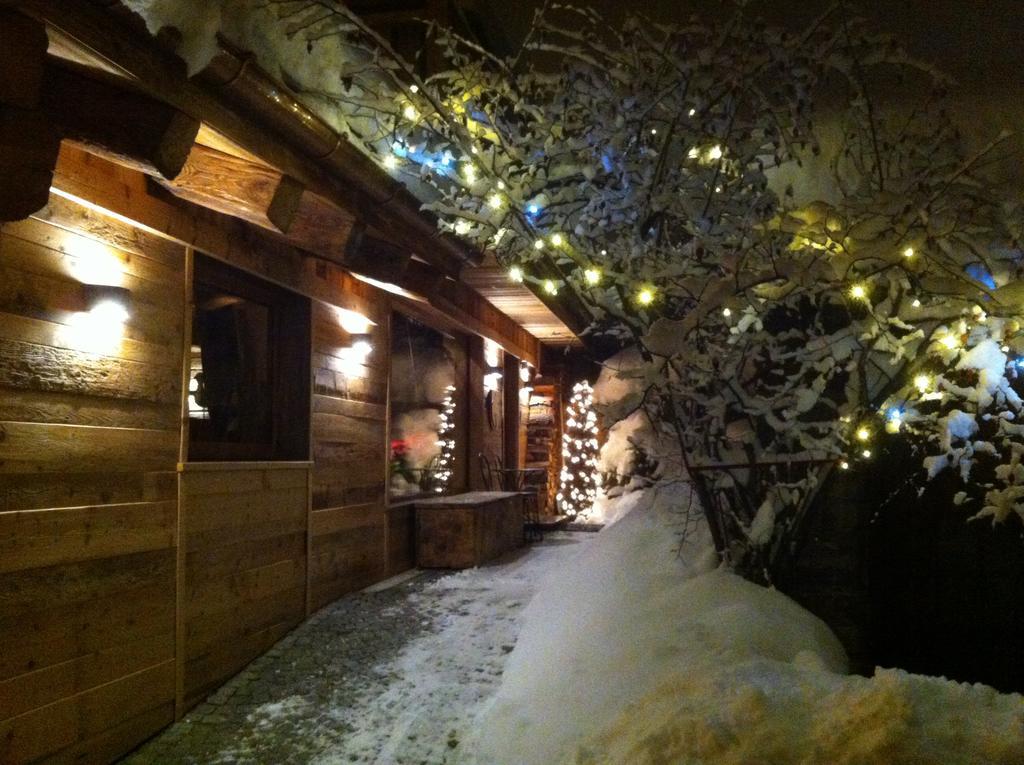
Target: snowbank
(637, 654)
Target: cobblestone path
(390, 677)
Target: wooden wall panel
(244, 531)
(88, 498)
(348, 526)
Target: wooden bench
(465, 530)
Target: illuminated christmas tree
(446, 440)
(579, 478)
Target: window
(248, 396)
(428, 410)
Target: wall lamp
(106, 302)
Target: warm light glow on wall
(92, 262)
(99, 330)
(353, 322)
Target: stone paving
(390, 677)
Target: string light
(550, 287)
(715, 152)
(844, 465)
(645, 296)
(726, 312)
(557, 239)
(579, 478)
(916, 303)
(894, 420)
(922, 383)
(866, 454)
(501, 185)
(470, 172)
(495, 201)
(592, 276)
(863, 434)
(445, 460)
(462, 227)
(532, 209)
(909, 252)
(950, 341)
(414, 88)
(858, 292)
(515, 274)
(539, 244)
(410, 113)
(390, 162)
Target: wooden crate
(465, 530)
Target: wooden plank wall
(349, 525)
(88, 448)
(244, 586)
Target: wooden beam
(105, 116)
(22, 54)
(237, 187)
(28, 143)
(377, 258)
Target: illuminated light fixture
(494, 201)
(645, 296)
(362, 344)
(592, 276)
(858, 292)
(557, 239)
(515, 274)
(106, 302)
(390, 162)
(909, 252)
(539, 244)
(726, 312)
(410, 113)
(493, 371)
(863, 434)
(922, 383)
(524, 372)
(550, 287)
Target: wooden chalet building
(221, 330)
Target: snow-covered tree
(579, 479)
(787, 225)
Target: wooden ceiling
(491, 281)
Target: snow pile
(634, 654)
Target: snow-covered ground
(640, 651)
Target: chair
(496, 478)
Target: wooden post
(28, 142)
(475, 412)
(510, 415)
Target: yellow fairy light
(494, 201)
(501, 185)
(462, 227)
(414, 88)
(692, 112)
(922, 383)
(470, 172)
(916, 303)
(715, 152)
(390, 162)
(950, 341)
(857, 292)
(557, 240)
(866, 454)
(844, 465)
(550, 287)
(645, 296)
(909, 252)
(539, 244)
(592, 276)
(654, 131)
(515, 274)
(863, 434)
(726, 312)
(410, 113)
